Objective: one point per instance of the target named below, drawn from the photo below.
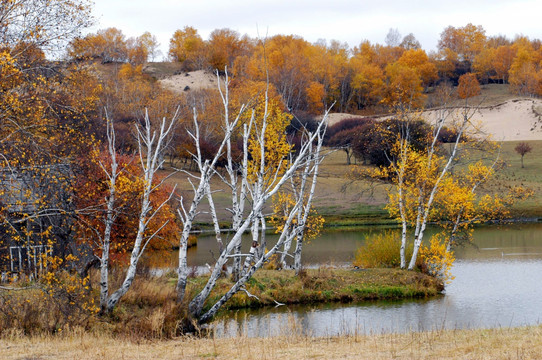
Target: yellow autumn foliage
(282, 204)
(264, 103)
(437, 260)
(380, 250)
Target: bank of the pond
(149, 309)
(515, 343)
(270, 287)
(379, 218)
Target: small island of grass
(269, 287)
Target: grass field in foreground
(515, 343)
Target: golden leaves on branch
(282, 204)
(436, 259)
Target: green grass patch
(354, 205)
(327, 285)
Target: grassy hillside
(491, 95)
(530, 176)
(345, 202)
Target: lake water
(497, 284)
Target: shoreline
(151, 311)
(314, 286)
(207, 228)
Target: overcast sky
(344, 20)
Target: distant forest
(309, 77)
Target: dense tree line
(310, 76)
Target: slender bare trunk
(110, 215)
(427, 206)
(152, 145)
(307, 203)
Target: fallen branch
(9, 288)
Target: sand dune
(514, 120)
(193, 80)
(334, 118)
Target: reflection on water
(338, 248)
(496, 285)
(328, 248)
(496, 293)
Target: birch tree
(421, 175)
(206, 169)
(301, 190)
(112, 174)
(150, 144)
(308, 155)
(253, 181)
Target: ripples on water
(483, 294)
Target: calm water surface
(497, 284)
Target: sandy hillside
(510, 121)
(514, 120)
(193, 80)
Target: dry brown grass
(516, 343)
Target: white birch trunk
(110, 215)
(214, 216)
(307, 206)
(187, 219)
(423, 215)
(263, 240)
(153, 145)
(404, 224)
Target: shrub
(381, 251)
(59, 300)
(192, 240)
